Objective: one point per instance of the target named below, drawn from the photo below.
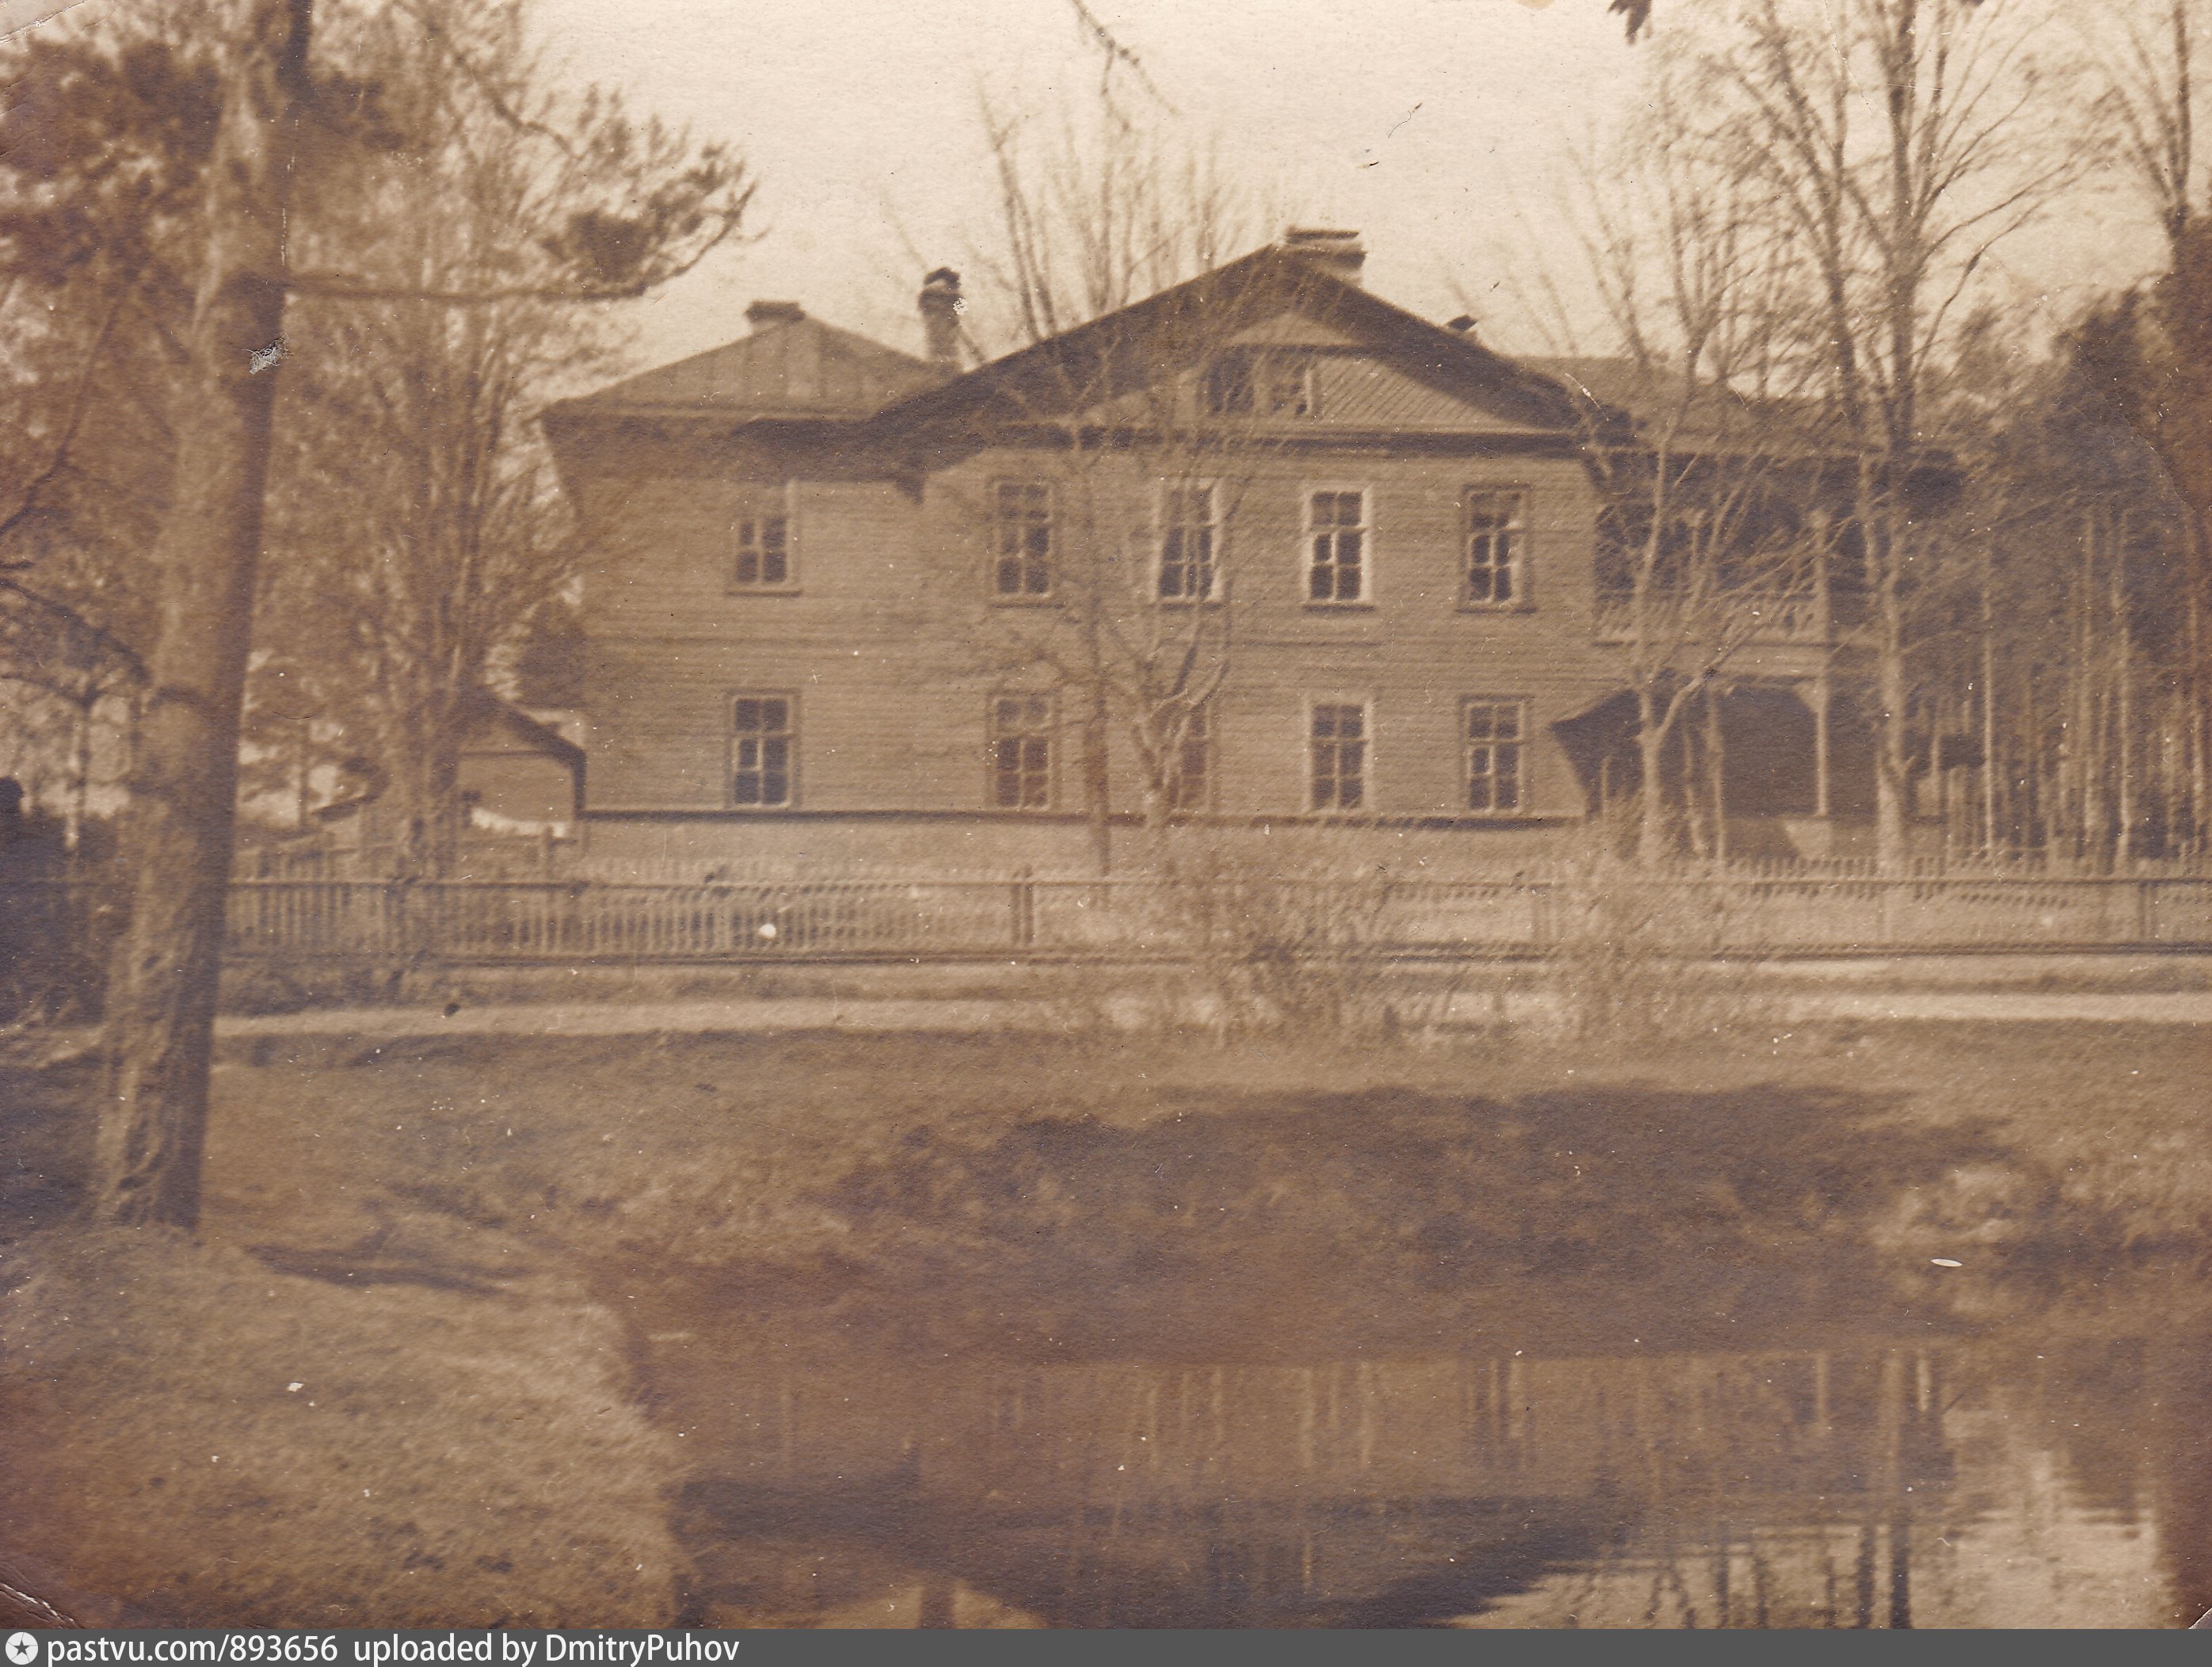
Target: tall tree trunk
(425, 790)
(1097, 780)
(1655, 839)
(177, 843)
(1892, 773)
(79, 781)
(1988, 692)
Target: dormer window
(1229, 386)
(1289, 385)
(1250, 383)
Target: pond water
(1883, 1482)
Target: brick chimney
(1339, 254)
(941, 307)
(767, 315)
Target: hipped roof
(800, 369)
(806, 369)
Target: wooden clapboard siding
(891, 642)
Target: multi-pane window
(1336, 536)
(763, 555)
(1288, 384)
(1271, 384)
(760, 743)
(1496, 731)
(1021, 752)
(1497, 545)
(1187, 543)
(1194, 778)
(1229, 386)
(1021, 523)
(1338, 731)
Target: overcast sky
(1439, 128)
(1411, 121)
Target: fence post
(1022, 902)
(2146, 911)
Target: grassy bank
(444, 1244)
(1141, 1194)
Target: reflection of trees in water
(1744, 1490)
(2181, 1380)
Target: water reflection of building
(1755, 1489)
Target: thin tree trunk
(1989, 707)
(1892, 815)
(177, 848)
(1655, 836)
(1097, 789)
(1716, 765)
(2198, 686)
(2124, 843)
(80, 775)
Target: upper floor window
(763, 739)
(1021, 752)
(763, 538)
(1497, 547)
(1495, 732)
(1338, 730)
(1021, 540)
(1337, 546)
(1187, 538)
(1250, 383)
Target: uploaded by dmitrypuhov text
(372, 1649)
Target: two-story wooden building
(1261, 550)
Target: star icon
(22, 1649)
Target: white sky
(1441, 129)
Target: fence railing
(524, 922)
(549, 923)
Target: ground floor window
(1191, 788)
(762, 741)
(1021, 752)
(1339, 740)
(1495, 732)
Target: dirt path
(882, 1016)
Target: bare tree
(2145, 52)
(1155, 422)
(244, 112)
(2153, 354)
(1697, 439)
(416, 525)
(1895, 213)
